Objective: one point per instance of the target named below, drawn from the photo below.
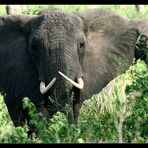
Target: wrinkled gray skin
(96, 45)
(47, 11)
(142, 25)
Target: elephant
(59, 58)
(47, 11)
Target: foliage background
(119, 114)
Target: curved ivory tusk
(79, 85)
(44, 89)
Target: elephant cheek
(44, 71)
(41, 75)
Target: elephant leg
(15, 110)
(18, 115)
(44, 110)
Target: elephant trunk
(65, 62)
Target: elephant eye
(34, 47)
(81, 48)
(82, 45)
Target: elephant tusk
(79, 85)
(43, 88)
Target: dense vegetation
(118, 114)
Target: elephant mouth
(79, 84)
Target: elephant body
(90, 47)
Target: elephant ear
(142, 26)
(14, 30)
(110, 48)
(141, 50)
(16, 65)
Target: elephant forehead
(59, 21)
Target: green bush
(136, 125)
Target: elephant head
(66, 56)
